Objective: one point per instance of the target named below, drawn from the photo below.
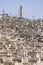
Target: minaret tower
(20, 11)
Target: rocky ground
(21, 41)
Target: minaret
(20, 11)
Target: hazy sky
(30, 7)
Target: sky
(30, 8)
